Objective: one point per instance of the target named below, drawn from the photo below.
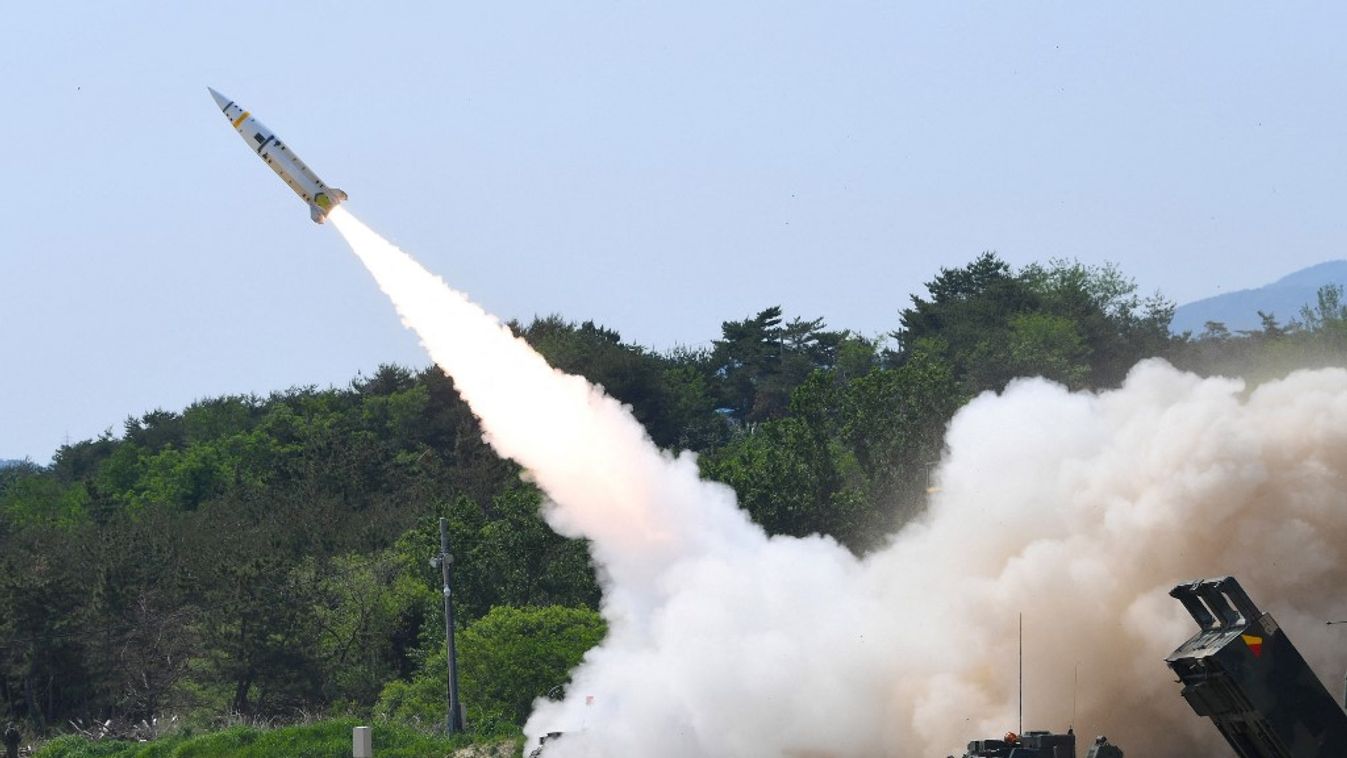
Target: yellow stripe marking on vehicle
(239, 120)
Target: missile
(320, 197)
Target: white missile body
(320, 197)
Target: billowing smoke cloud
(1078, 511)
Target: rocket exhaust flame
(1080, 510)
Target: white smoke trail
(643, 508)
(1078, 510)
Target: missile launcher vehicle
(1241, 671)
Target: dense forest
(265, 558)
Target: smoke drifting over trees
(818, 600)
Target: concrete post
(362, 743)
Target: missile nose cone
(220, 100)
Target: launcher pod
(1241, 671)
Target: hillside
(1282, 298)
(266, 557)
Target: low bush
(324, 739)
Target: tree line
(265, 557)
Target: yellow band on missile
(239, 120)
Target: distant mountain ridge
(1283, 299)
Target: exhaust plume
(1078, 510)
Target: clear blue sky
(656, 167)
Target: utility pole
(443, 561)
(1344, 687)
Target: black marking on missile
(226, 108)
(264, 144)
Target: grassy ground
(325, 739)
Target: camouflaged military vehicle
(1039, 745)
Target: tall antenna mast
(1075, 685)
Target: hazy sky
(656, 167)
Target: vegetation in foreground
(326, 739)
(264, 558)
